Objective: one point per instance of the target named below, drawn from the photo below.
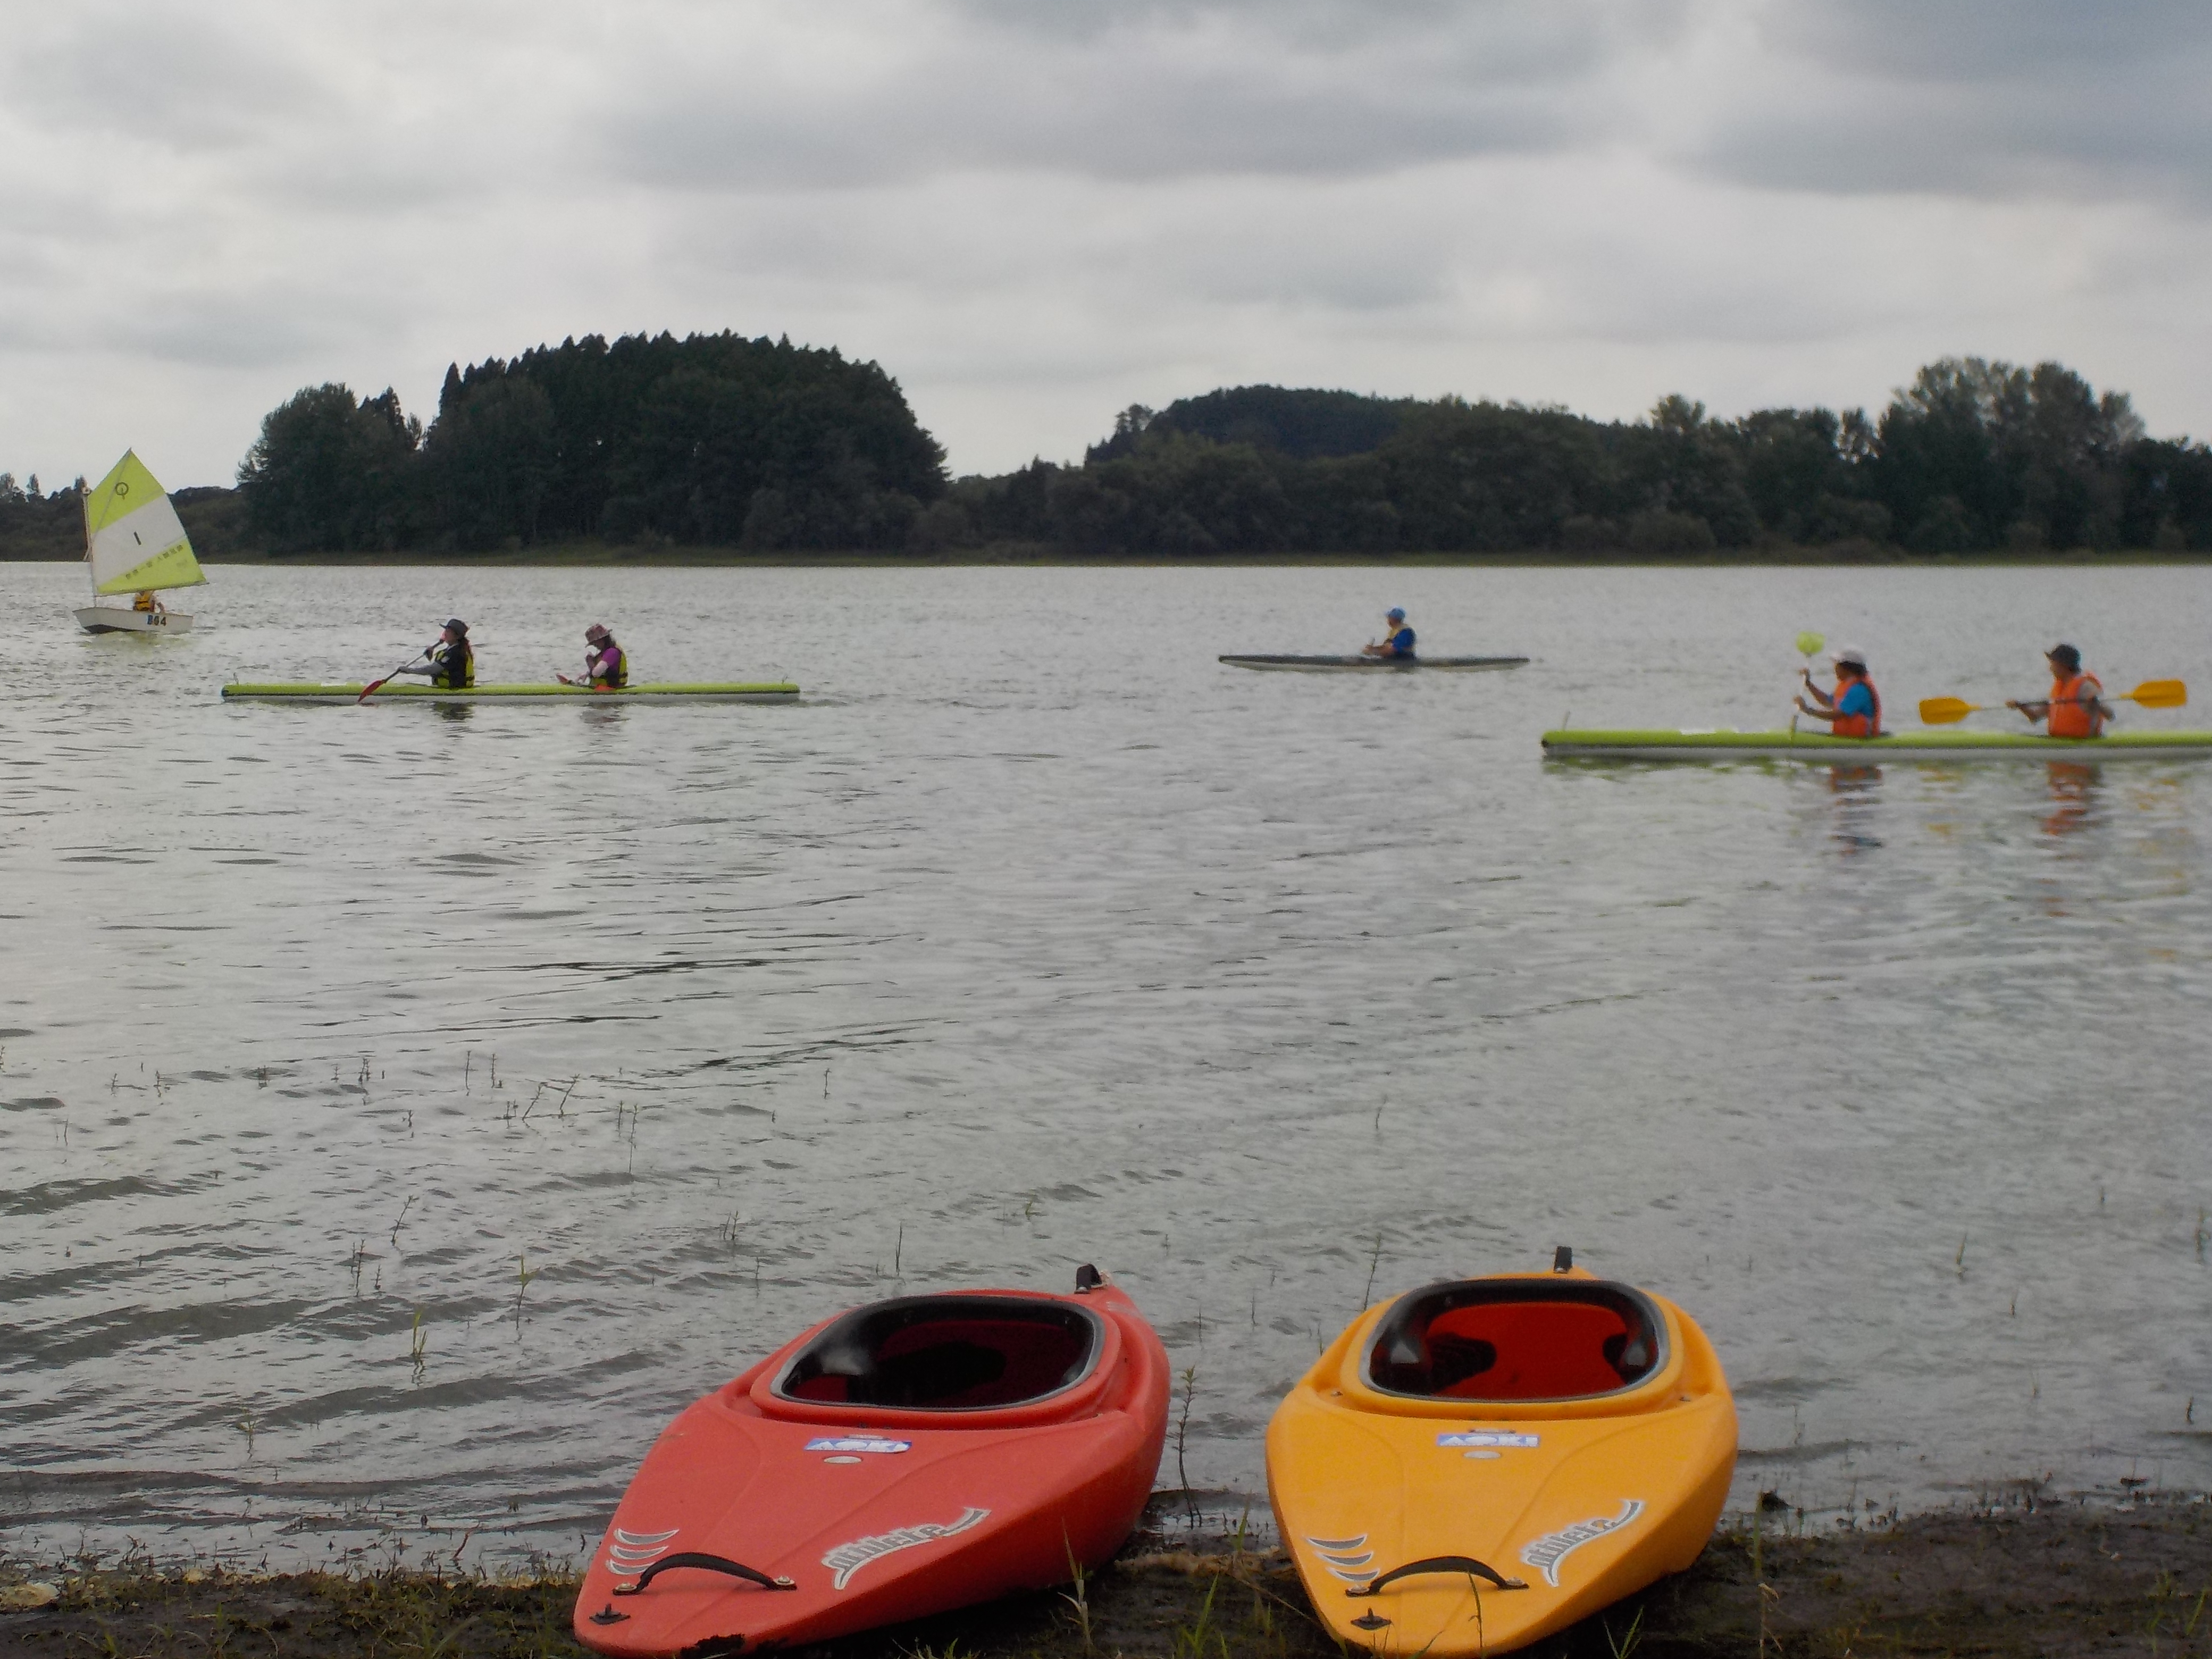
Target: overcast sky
(1034, 212)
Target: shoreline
(601, 556)
(2125, 1575)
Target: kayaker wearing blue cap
(1854, 707)
(1400, 642)
(450, 664)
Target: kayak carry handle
(1087, 1280)
(1563, 1259)
(1466, 1563)
(706, 1563)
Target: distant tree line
(35, 525)
(722, 441)
(714, 440)
(1971, 457)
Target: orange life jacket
(1860, 726)
(2070, 715)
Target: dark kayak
(1375, 664)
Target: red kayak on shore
(902, 1459)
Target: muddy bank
(2059, 1578)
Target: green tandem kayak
(1825, 749)
(759, 691)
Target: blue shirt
(1856, 700)
(1401, 642)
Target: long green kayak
(1824, 748)
(331, 691)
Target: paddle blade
(370, 689)
(2158, 694)
(1808, 643)
(1942, 711)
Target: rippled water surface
(1032, 936)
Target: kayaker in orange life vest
(1854, 707)
(2074, 708)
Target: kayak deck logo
(1553, 1547)
(849, 1559)
(634, 1552)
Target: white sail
(134, 540)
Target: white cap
(1851, 654)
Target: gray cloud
(1034, 211)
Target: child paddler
(2074, 708)
(1398, 642)
(606, 667)
(1853, 709)
(450, 664)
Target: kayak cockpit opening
(1516, 1340)
(946, 1353)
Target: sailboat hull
(121, 619)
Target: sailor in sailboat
(450, 664)
(135, 544)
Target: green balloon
(1808, 643)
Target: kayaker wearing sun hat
(2074, 708)
(451, 663)
(1400, 642)
(1853, 709)
(606, 668)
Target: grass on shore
(2134, 1578)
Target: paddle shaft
(375, 686)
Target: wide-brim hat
(598, 631)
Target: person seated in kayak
(2074, 707)
(606, 668)
(147, 603)
(1853, 709)
(450, 664)
(1399, 644)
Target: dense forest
(716, 440)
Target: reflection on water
(1857, 793)
(2073, 789)
(454, 1096)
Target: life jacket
(1861, 725)
(2070, 715)
(609, 668)
(145, 602)
(456, 668)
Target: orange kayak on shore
(900, 1460)
(1475, 1465)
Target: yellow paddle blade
(2158, 694)
(1942, 711)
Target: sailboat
(136, 543)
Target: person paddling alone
(2074, 707)
(606, 668)
(450, 664)
(1398, 645)
(1853, 709)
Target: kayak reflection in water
(1399, 642)
(1854, 707)
(450, 664)
(2074, 708)
(606, 666)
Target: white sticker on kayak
(1349, 1558)
(1489, 1437)
(1554, 1547)
(857, 1442)
(849, 1559)
(634, 1552)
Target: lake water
(1031, 937)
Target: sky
(1033, 212)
